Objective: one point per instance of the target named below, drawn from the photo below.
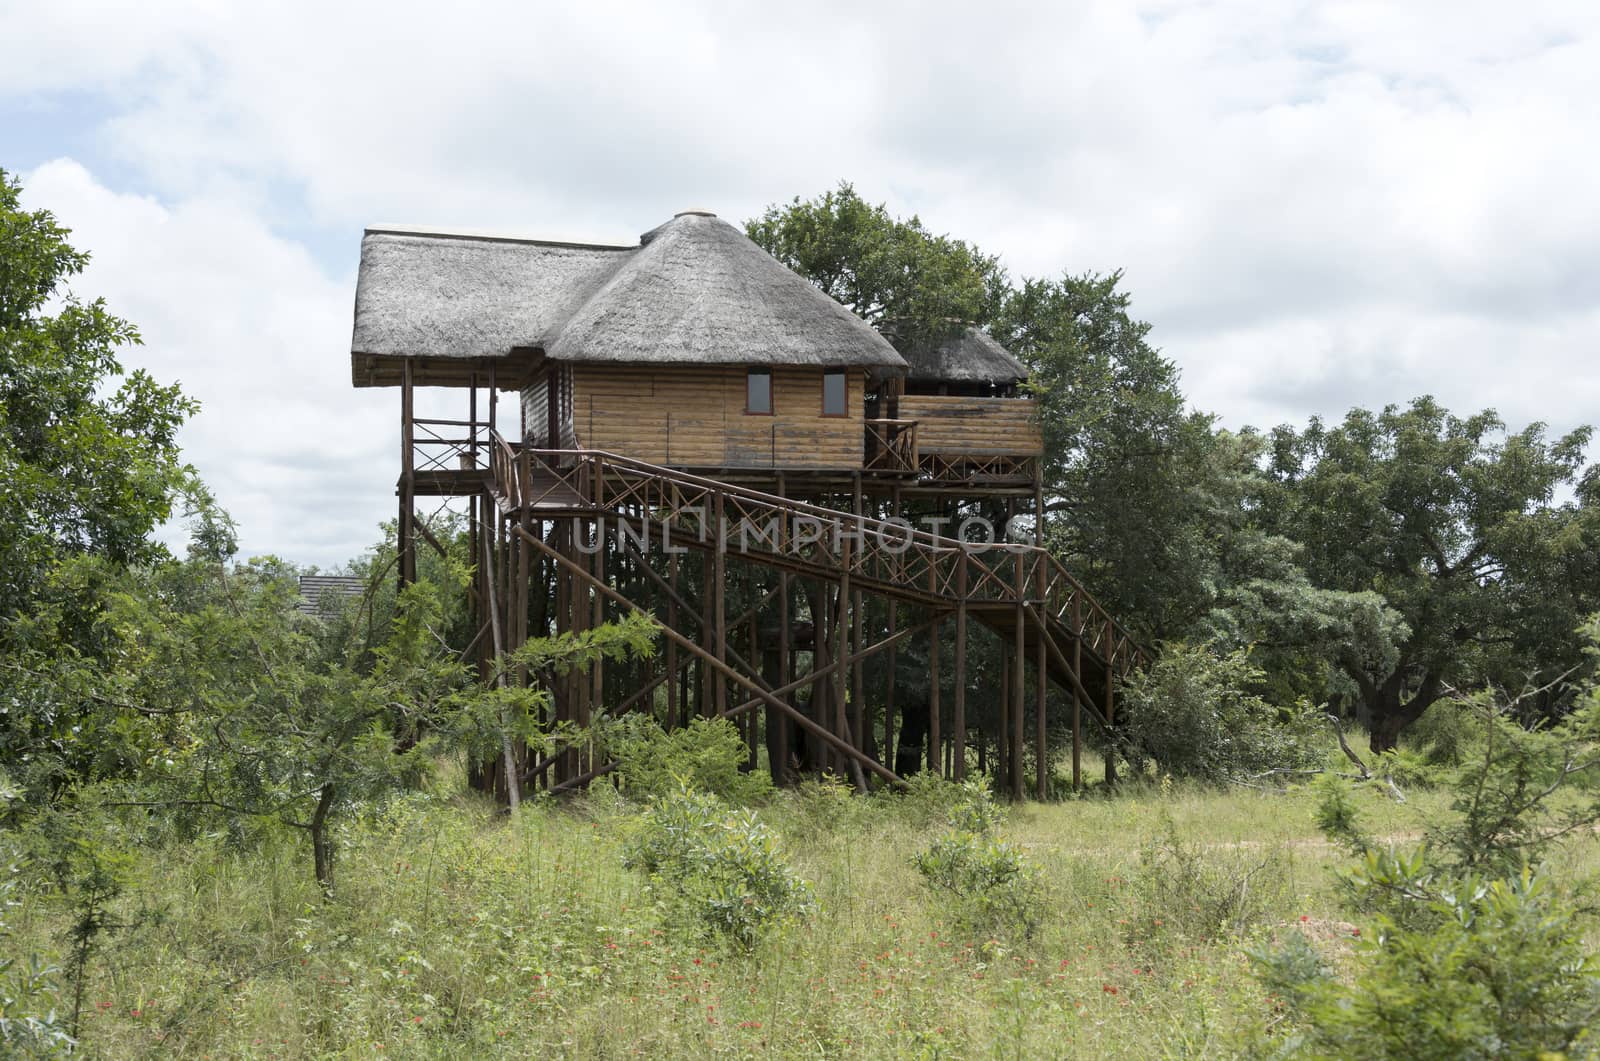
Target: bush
(29, 1026)
(704, 756)
(1443, 736)
(1192, 715)
(1500, 971)
(998, 890)
(926, 799)
(721, 867)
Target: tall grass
(459, 933)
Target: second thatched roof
(695, 291)
(969, 356)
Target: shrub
(1443, 736)
(997, 889)
(927, 798)
(828, 804)
(720, 867)
(1192, 714)
(705, 756)
(29, 1026)
(1499, 971)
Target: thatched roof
(695, 291)
(971, 356)
(425, 294)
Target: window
(835, 401)
(758, 392)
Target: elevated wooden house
(695, 349)
(689, 382)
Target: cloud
(1317, 205)
(253, 327)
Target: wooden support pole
(777, 724)
(935, 738)
(858, 697)
(719, 618)
(702, 694)
(599, 617)
(673, 686)
(843, 632)
(1019, 654)
(508, 762)
(1002, 735)
(1111, 716)
(1041, 736)
(889, 719)
(958, 722)
(858, 701)
(1077, 704)
(405, 534)
(712, 662)
(755, 653)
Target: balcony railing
(891, 445)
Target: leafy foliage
(719, 868)
(1454, 521)
(707, 755)
(910, 284)
(1495, 969)
(29, 1026)
(997, 890)
(1131, 475)
(1192, 714)
(89, 462)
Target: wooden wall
(536, 412)
(973, 426)
(536, 399)
(693, 416)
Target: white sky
(1316, 205)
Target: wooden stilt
(958, 722)
(842, 746)
(1041, 734)
(893, 669)
(405, 530)
(718, 614)
(673, 682)
(1019, 656)
(1111, 712)
(597, 698)
(935, 738)
(1002, 730)
(1077, 704)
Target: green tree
(905, 281)
(89, 461)
(1457, 525)
(1126, 462)
(1132, 476)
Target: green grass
(458, 933)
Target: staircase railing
(890, 553)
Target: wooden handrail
(586, 471)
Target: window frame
(843, 375)
(752, 371)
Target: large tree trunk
(1389, 714)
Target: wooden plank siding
(693, 416)
(979, 427)
(536, 412)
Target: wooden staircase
(1010, 588)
